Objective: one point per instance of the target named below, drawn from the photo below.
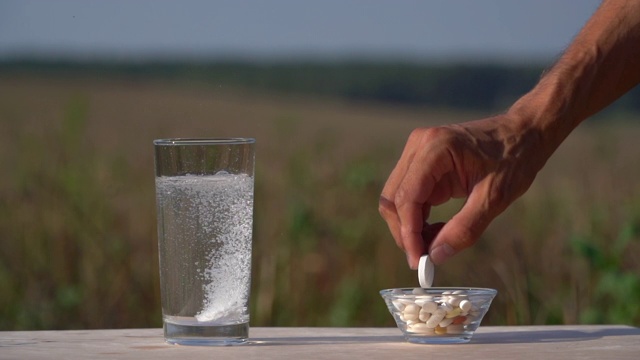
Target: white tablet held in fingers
(425, 272)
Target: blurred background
(330, 90)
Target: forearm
(601, 64)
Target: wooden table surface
(491, 342)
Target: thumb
(464, 228)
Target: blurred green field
(77, 209)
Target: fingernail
(441, 253)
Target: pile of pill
(449, 313)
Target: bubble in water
(208, 219)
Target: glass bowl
(438, 315)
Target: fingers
(412, 200)
(441, 163)
(387, 207)
(464, 228)
(404, 201)
(389, 213)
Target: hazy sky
(504, 29)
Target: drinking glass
(204, 197)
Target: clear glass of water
(204, 196)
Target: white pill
(424, 316)
(454, 300)
(425, 272)
(420, 301)
(465, 305)
(411, 316)
(406, 301)
(446, 307)
(440, 312)
(397, 292)
(411, 308)
(432, 323)
(434, 320)
(445, 322)
(418, 291)
(429, 306)
(412, 322)
(421, 328)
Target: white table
(499, 342)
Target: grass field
(77, 210)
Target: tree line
(485, 86)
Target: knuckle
(386, 208)
(416, 134)
(436, 136)
(408, 230)
(429, 133)
(406, 193)
(400, 197)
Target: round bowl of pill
(438, 315)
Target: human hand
(491, 162)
